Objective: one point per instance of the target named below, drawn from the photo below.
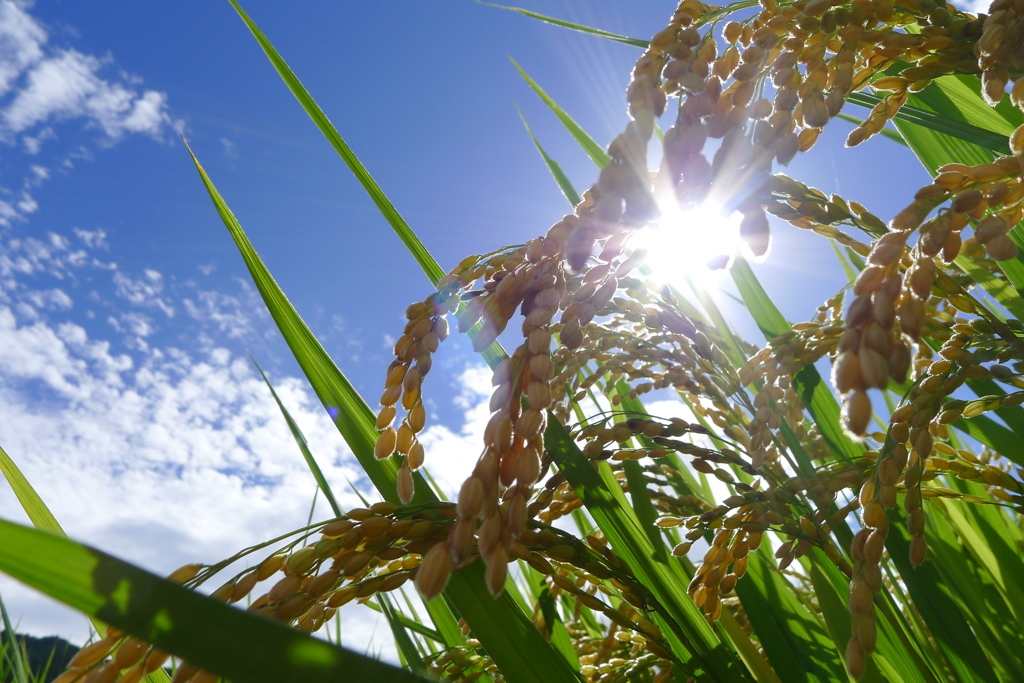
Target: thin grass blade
(593, 150)
(607, 35)
(403, 641)
(300, 440)
(401, 228)
(31, 502)
(17, 656)
(556, 171)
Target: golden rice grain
(434, 571)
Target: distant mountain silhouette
(55, 651)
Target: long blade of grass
(557, 632)
(987, 139)
(891, 662)
(593, 150)
(974, 588)
(430, 267)
(607, 35)
(556, 171)
(795, 644)
(982, 531)
(402, 639)
(33, 505)
(41, 517)
(350, 413)
(300, 440)
(18, 663)
(505, 632)
(940, 612)
(410, 624)
(204, 631)
(992, 434)
(493, 354)
(955, 99)
(401, 228)
(958, 97)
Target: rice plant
(791, 528)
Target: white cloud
(974, 6)
(55, 299)
(34, 143)
(43, 87)
(162, 459)
(21, 41)
(230, 149)
(145, 291)
(238, 317)
(67, 85)
(451, 455)
(94, 239)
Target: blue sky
(125, 311)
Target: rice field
(792, 526)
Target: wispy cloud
(45, 88)
(144, 291)
(158, 454)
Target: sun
(697, 243)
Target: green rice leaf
(300, 440)
(409, 623)
(402, 639)
(350, 413)
(41, 517)
(33, 505)
(607, 35)
(556, 171)
(401, 228)
(17, 654)
(940, 612)
(981, 137)
(760, 668)
(556, 628)
(983, 531)
(445, 622)
(794, 642)
(992, 434)
(959, 99)
(593, 150)
(205, 632)
(974, 589)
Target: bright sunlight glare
(698, 243)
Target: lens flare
(699, 243)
